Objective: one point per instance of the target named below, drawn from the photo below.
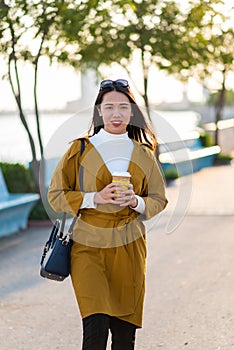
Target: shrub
(171, 174)
(38, 212)
(18, 178)
(206, 139)
(222, 158)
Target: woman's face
(116, 112)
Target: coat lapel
(94, 167)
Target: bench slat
(187, 154)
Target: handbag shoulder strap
(81, 181)
(81, 168)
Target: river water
(59, 129)
(14, 143)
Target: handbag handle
(81, 181)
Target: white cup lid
(121, 173)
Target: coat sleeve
(154, 189)
(64, 193)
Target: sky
(58, 85)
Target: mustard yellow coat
(109, 250)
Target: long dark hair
(138, 129)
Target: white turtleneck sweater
(116, 152)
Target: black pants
(96, 328)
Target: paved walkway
(211, 189)
(190, 280)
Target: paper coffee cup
(122, 178)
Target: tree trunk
(145, 97)
(36, 62)
(145, 81)
(41, 166)
(219, 106)
(17, 95)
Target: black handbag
(55, 260)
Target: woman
(109, 249)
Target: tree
(23, 23)
(118, 29)
(29, 30)
(221, 64)
(184, 41)
(178, 39)
(210, 47)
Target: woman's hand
(107, 195)
(123, 197)
(128, 197)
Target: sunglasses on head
(108, 83)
